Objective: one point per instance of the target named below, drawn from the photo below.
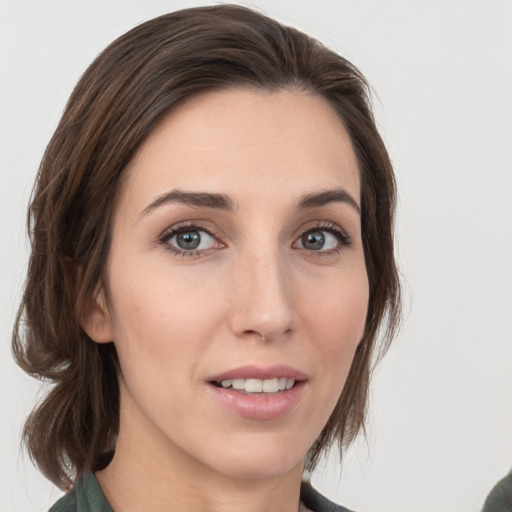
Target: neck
(149, 472)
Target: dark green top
(87, 496)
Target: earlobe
(96, 320)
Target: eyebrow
(223, 202)
(201, 199)
(328, 196)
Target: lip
(259, 406)
(259, 372)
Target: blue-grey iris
(188, 240)
(314, 240)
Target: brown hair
(116, 104)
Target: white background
(441, 414)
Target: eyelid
(191, 225)
(331, 227)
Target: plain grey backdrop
(440, 424)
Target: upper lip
(259, 372)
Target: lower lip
(261, 406)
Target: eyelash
(335, 230)
(168, 234)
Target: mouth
(257, 386)
(260, 393)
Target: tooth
(254, 385)
(270, 386)
(258, 386)
(238, 384)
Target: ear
(96, 320)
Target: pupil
(314, 240)
(188, 240)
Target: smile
(274, 385)
(259, 393)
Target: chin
(259, 462)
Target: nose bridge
(262, 298)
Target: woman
(212, 260)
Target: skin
(253, 293)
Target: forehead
(286, 141)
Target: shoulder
(315, 502)
(66, 504)
(86, 496)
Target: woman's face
(236, 262)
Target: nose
(262, 299)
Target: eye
(189, 240)
(192, 240)
(325, 239)
(317, 241)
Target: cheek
(336, 318)
(338, 312)
(158, 315)
(158, 338)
